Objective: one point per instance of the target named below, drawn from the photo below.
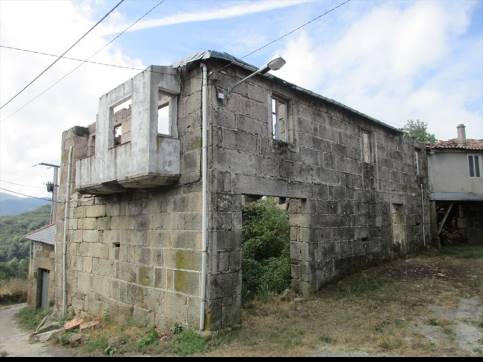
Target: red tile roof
(470, 144)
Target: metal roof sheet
(44, 235)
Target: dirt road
(14, 342)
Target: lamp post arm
(261, 70)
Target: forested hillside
(14, 249)
(13, 205)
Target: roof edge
(213, 54)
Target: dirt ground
(426, 305)
(14, 342)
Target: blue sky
(393, 60)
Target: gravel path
(14, 342)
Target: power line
(84, 61)
(285, 35)
(14, 183)
(65, 52)
(22, 194)
(69, 58)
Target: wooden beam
(445, 217)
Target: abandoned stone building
(456, 185)
(149, 215)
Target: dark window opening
(474, 165)
(117, 248)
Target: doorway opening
(43, 289)
(266, 263)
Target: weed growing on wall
(266, 249)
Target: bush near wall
(266, 249)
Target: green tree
(418, 130)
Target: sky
(393, 60)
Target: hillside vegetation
(12, 205)
(14, 249)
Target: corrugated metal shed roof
(44, 235)
(230, 58)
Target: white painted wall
(449, 172)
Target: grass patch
(148, 340)
(390, 343)
(188, 342)
(29, 318)
(362, 284)
(465, 252)
(96, 344)
(327, 339)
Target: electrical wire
(284, 35)
(22, 194)
(60, 56)
(14, 183)
(139, 69)
(85, 60)
(69, 58)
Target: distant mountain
(14, 249)
(12, 205)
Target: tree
(418, 130)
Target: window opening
(279, 119)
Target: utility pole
(52, 187)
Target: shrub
(266, 249)
(188, 342)
(148, 339)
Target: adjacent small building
(456, 184)
(41, 288)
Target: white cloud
(223, 12)
(396, 64)
(34, 134)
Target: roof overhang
(45, 235)
(456, 196)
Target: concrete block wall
(136, 254)
(339, 206)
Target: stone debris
(75, 338)
(46, 336)
(74, 323)
(88, 325)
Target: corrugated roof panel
(44, 235)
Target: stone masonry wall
(42, 258)
(339, 206)
(136, 254)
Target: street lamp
(274, 64)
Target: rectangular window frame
(366, 157)
(113, 126)
(474, 165)
(417, 160)
(275, 118)
(170, 101)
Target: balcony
(135, 145)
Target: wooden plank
(445, 217)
